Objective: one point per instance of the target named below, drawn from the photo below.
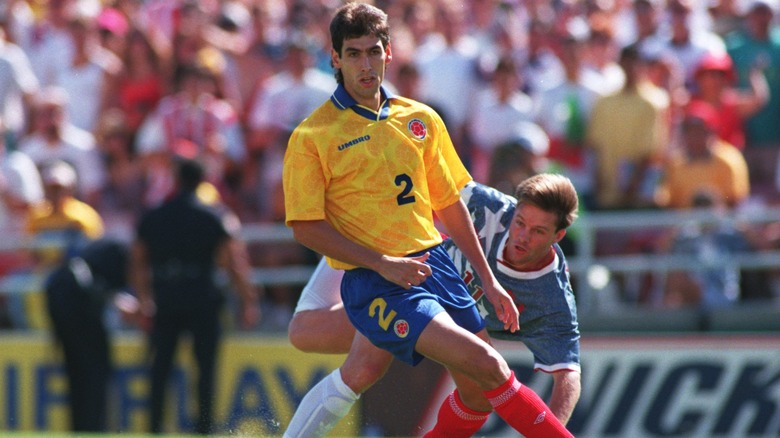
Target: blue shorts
(392, 317)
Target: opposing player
(363, 175)
(520, 238)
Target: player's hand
(146, 312)
(506, 311)
(405, 271)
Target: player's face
(362, 62)
(531, 234)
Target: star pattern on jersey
(483, 312)
(491, 217)
(486, 209)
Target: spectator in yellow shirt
(704, 163)
(61, 222)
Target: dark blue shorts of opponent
(392, 317)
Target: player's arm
(457, 221)
(140, 277)
(233, 257)
(321, 237)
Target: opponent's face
(362, 62)
(531, 234)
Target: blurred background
(664, 113)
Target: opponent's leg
(319, 324)
(325, 331)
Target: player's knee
(361, 374)
(490, 369)
(299, 338)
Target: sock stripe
(506, 394)
(461, 412)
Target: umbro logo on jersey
(540, 417)
(353, 142)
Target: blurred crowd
(644, 104)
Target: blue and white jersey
(548, 317)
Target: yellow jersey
(376, 177)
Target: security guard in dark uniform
(179, 246)
(76, 296)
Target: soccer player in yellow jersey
(363, 176)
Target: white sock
(322, 408)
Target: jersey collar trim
(504, 267)
(343, 100)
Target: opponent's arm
(457, 220)
(321, 237)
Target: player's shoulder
(475, 192)
(321, 121)
(409, 106)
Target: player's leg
(470, 356)
(332, 398)
(565, 393)
(319, 324)
(326, 331)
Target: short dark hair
(552, 193)
(354, 20)
(189, 174)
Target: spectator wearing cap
(498, 109)
(112, 28)
(54, 137)
(628, 132)
(756, 47)
(703, 163)
(60, 214)
(714, 79)
(521, 155)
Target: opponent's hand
(405, 271)
(506, 311)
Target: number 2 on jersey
(384, 317)
(406, 181)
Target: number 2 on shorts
(384, 317)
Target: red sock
(456, 420)
(522, 409)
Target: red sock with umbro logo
(522, 409)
